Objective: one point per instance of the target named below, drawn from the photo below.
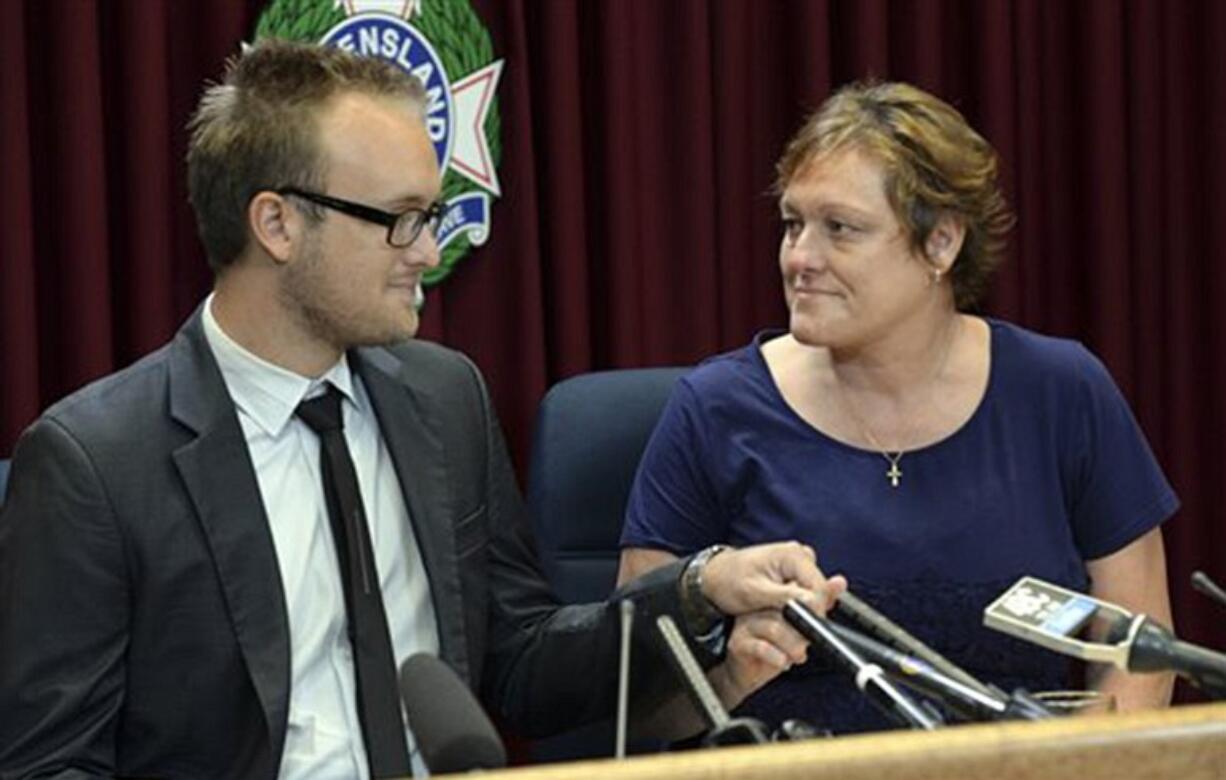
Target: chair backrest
(4, 479)
(590, 434)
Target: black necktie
(374, 663)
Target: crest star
(405, 9)
(470, 154)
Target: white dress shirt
(324, 735)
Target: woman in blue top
(930, 455)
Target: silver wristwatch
(700, 615)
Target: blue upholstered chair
(590, 434)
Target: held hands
(766, 576)
(762, 646)
(754, 583)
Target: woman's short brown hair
(257, 130)
(935, 164)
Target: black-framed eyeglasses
(402, 229)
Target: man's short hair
(258, 130)
(935, 164)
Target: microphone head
(452, 731)
(1051, 616)
(1204, 585)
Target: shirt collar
(268, 393)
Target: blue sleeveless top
(1050, 471)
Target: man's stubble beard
(305, 293)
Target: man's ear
(273, 224)
(944, 242)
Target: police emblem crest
(444, 44)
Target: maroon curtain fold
(636, 225)
(20, 388)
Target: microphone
(869, 677)
(723, 730)
(967, 702)
(1153, 648)
(452, 731)
(1208, 587)
(880, 626)
(1049, 615)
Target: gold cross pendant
(894, 474)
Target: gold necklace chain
(894, 474)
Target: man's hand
(766, 576)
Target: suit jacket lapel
(217, 472)
(416, 447)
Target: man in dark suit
(184, 591)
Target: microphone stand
(626, 612)
(723, 730)
(870, 678)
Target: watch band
(700, 615)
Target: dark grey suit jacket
(142, 620)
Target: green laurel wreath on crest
(463, 44)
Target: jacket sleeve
(63, 612)
(551, 667)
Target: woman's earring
(935, 278)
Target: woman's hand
(761, 647)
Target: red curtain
(635, 226)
